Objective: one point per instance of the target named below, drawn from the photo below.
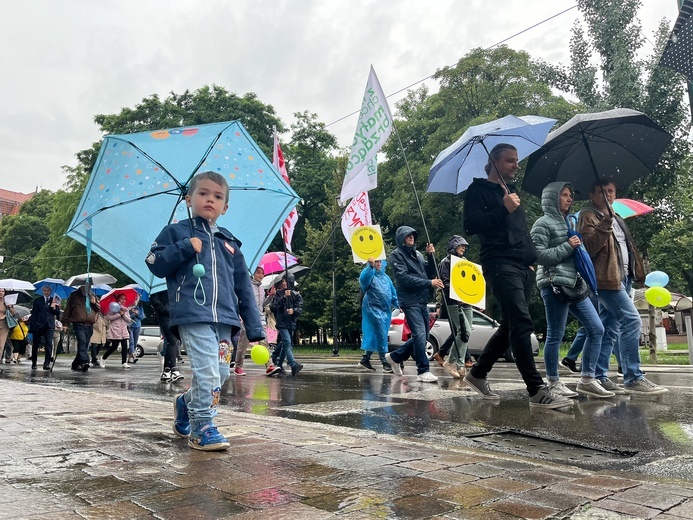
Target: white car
(148, 342)
(483, 327)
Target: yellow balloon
(658, 296)
(259, 354)
(467, 280)
(366, 242)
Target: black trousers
(45, 334)
(512, 287)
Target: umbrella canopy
(101, 289)
(96, 278)
(627, 208)
(296, 270)
(144, 295)
(275, 262)
(19, 296)
(678, 53)
(12, 284)
(112, 296)
(621, 145)
(139, 182)
(21, 311)
(457, 165)
(57, 285)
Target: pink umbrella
(627, 208)
(274, 262)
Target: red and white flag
(356, 214)
(290, 222)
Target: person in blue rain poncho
(379, 298)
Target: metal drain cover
(534, 445)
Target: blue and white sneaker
(181, 422)
(208, 438)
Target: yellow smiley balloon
(366, 242)
(468, 282)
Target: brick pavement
(72, 453)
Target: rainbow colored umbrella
(627, 208)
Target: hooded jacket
(280, 303)
(222, 295)
(379, 298)
(444, 269)
(555, 255)
(504, 236)
(412, 272)
(600, 242)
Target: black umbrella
(678, 54)
(621, 145)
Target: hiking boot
(427, 377)
(296, 369)
(181, 421)
(176, 375)
(569, 365)
(561, 389)
(365, 363)
(593, 389)
(208, 438)
(610, 386)
(166, 375)
(645, 387)
(480, 386)
(547, 398)
(396, 369)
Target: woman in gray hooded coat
(556, 259)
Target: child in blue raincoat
(379, 298)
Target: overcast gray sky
(64, 61)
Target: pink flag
(357, 213)
(290, 222)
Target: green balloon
(259, 354)
(658, 296)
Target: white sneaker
(396, 369)
(102, 362)
(560, 389)
(427, 377)
(125, 365)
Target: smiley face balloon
(367, 242)
(467, 283)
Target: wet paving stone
(522, 509)
(265, 498)
(413, 507)
(551, 499)
(627, 508)
(449, 477)
(505, 485)
(591, 493)
(308, 488)
(545, 477)
(646, 496)
(345, 501)
(407, 486)
(115, 511)
(469, 495)
(179, 498)
(290, 511)
(478, 470)
(423, 465)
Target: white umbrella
(12, 284)
(96, 278)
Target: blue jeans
(83, 334)
(287, 349)
(512, 287)
(134, 338)
(417, 318)
(556, 318)
(209, 362)
(621, 330)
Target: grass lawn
(676, 354)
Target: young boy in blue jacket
(205, 303)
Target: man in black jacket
(413, 282)
(286, 305)
(44, 311)
(492, 210)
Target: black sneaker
(387, 369)
(296, 369)
(570, 365)
(364, 363)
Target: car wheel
(431, 347)
(139, 351)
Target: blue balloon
(657, 279)
(113, 307)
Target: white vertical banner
(372, 130)
(290, 222)
(356, 214)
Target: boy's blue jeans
(287, 350)
(210, 368)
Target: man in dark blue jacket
(286, 305)
(44, 312)
(414, 277)
(492, 210)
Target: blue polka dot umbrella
(139, 182)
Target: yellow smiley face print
(467, 282)
(367, 242)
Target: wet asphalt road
(650, 435)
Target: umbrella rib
(206, 154)
(150, 158)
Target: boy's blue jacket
(226, 282)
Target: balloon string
(202, 288)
